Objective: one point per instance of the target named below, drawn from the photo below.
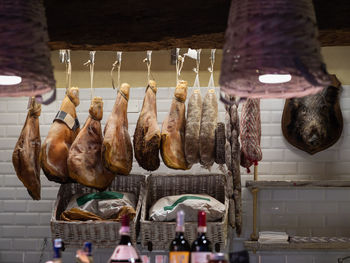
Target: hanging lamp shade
(271, 50)
(25, 65)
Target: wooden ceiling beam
(136, 25)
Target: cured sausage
(232, 152)
(207, 131)
(250, 133)
(193, 124)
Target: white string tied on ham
(250, 133)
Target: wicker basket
(100, 233)
(24, 50)
(162, 233)
(272, 37)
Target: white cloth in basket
(165, 209)
(104, 204)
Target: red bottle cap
(202, 219)
(125, 220)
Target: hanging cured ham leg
(147, 133)
(25, 157)
(85, 159)
(55, 149)
(173, 131)
(117, 148)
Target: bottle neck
(202, 229)
(124, 230)
(125, 236)
(179, 234)
(125, 239)
(57, 253)
(180, 228)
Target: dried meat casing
(220, 141)
(250, 132)
(207, 131)
(193, 124)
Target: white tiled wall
(25, 226)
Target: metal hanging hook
(91, 60)
(117, 63)
(92, 57)
(211, 84)
(119, 57)
(65, 58)
(91, 64)
(212, 61)
(198, 61)
(64, 55)
(148, 61)
(179, 64)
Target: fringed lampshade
(25, 65)
(271, 50)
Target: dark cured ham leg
(25, 157)
(85, 159)
(117, 146)
(147, 132)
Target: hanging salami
(232, 156)
(250, 133)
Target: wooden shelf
(256, 246)
(297, 184)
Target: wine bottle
(201, 247)
(179, 250)
(88, 250)
(84, 255)
(57, 246)
(220, 258)
(125, 252)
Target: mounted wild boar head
(314, 123)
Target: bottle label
(179, 257)
(124, 252)
(145, 259)
(200, 257)
(159, 259)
